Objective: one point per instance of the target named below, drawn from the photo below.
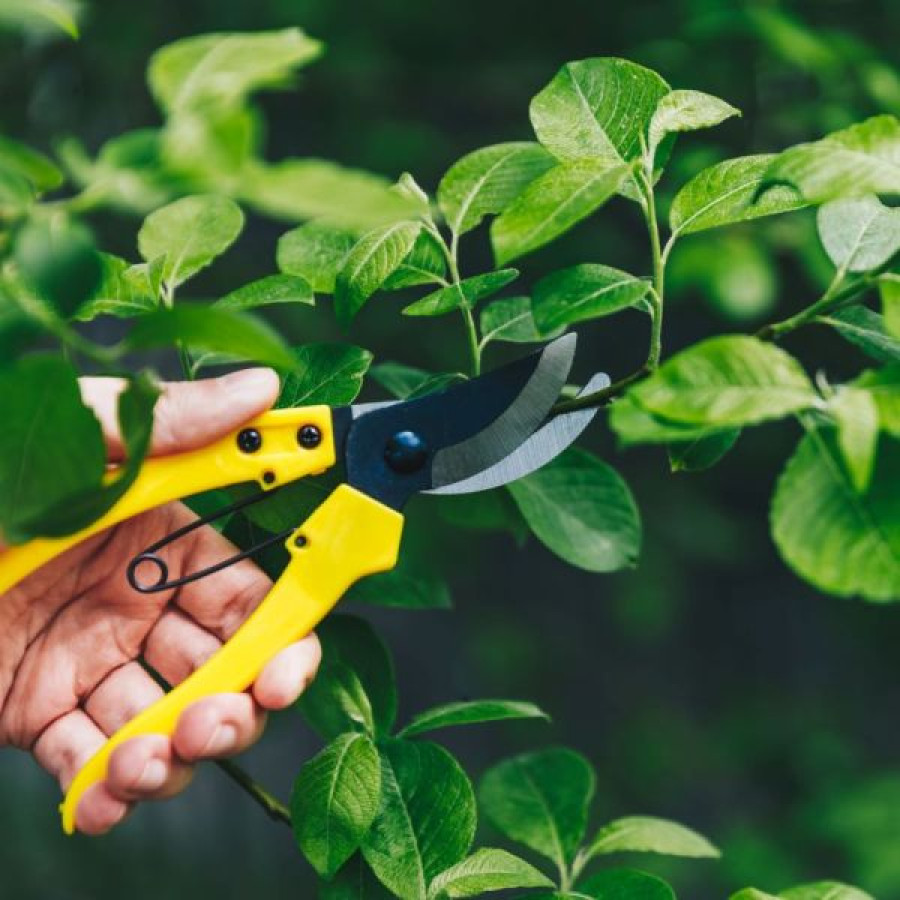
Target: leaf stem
(834, 298)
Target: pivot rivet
(249, 440)
(309, 436)
(406, 452)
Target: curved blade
(544, 445)
(465, 429)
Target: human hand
(71, 634)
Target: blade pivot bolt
(309, 436)
(249, 440)
(405, 452)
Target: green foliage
(316, 252)
(625, 884)
(859, 234)
(463, 293)
(269, 291)
(643, 834)
(582, 510)
(484, 871)
(470, 712)
(325, 373)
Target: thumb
(188, 414)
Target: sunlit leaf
(425, 821)
(856, 415)
(190, 233)
(729, 192)
(334, 801)
(883, 386)
(889, 289)
(269, 291)
(597, 108)
(124, 291)
(646, 834)
(582, 510)
(470, 712)
(315, 251)
(842, 541)
(424, 264)
(486, 181)
(861, 159)
(510, 319)
(686, 111)
(859, 233)
(726, 381)
(223, 69)
(325, 373)
(583, 292)
(552, 204)
(824, 890)
(22, 160)
(540, 800)
(487, 870)
(465, 293)
(377, 254)
(635, 425)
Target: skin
(71, 634)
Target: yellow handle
(350, 535)
(280, 458)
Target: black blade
(399, 450)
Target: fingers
(286, 676)
(222, 725)
(177, 646)
(189, 414)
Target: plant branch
(835, 297)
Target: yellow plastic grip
(280, 458)
(350, 535)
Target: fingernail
(251, 384)
(223, 740)
(153, 777)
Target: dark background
(710, 684)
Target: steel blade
(544, 445)
(462, 430)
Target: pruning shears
(473, 436)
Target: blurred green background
(709, 685)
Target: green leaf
(268, 291)
(750, 893)
(124, 291)
(726, 381)
(466, 293)
(190, 233)
(401, 589)
(584, 292)
(510, 319)
(53, 457)
(646, 834)
(316, 252)
(856, 415)
(223, 69)
(729, 192)
(334, 801)
(22, 160)
(541, 800)
(57, 258)
(702, 452)
(635, 425)
(424, 264)
(825, 890)
(597, 108)
(552, 204)
(355, 881)
(487, 870)
(355, 684)
(581, 510)
(425, 821)
(471, 712)
(406, 382)
(842, 541)
(16, 195)
(38, 13)
(883, 386)
(486, 181)
(207, 328)
(686, 111)
(625, 884)
(861, 159)
(889, 289)
(377, 254)
(859, 233)
(865, 329)
(296, 189)
(492, 511)
(325, 373)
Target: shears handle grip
(278, 457)
(349, 536)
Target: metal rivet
(249, 440)
(309, 436)
(268, 477)
(406, 452)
